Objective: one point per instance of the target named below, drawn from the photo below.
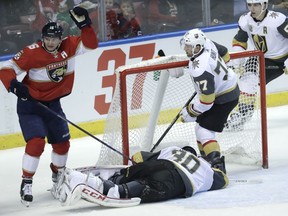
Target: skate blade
(25, 203)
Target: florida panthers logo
(57, 71)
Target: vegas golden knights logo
(56, 71)
(260, 43)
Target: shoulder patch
(195, 64)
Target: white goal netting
(147, 100)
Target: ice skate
(56, 172)
(61, 187)
(26, 191)
(219, 163)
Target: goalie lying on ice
(170, 173)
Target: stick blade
(246, 181)
(161, 53)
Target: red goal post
(147, 99)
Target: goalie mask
(51, 37)
(191, 40)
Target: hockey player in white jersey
(170, 173)
(267, 31)
(217, 93)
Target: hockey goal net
(146, 100)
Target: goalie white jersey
(264, 34)
(197, 170)
(196, 173)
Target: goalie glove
(80, 16)
(286, 66)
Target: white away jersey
(264, 35)
(213, 81)
(197, 170)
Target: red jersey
(49, 76)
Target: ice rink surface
(267, 198)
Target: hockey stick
(161, 53)
(84, 131)
(246, 181)
(172, 123)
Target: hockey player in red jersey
(49, 67)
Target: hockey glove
(176, 72)
(19, 89)
(286, 66)
(80, 16)
(186, 116)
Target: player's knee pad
(203, 135)
(61, 148)
(35, 146)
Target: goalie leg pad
(94, 196)
(65, 189)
